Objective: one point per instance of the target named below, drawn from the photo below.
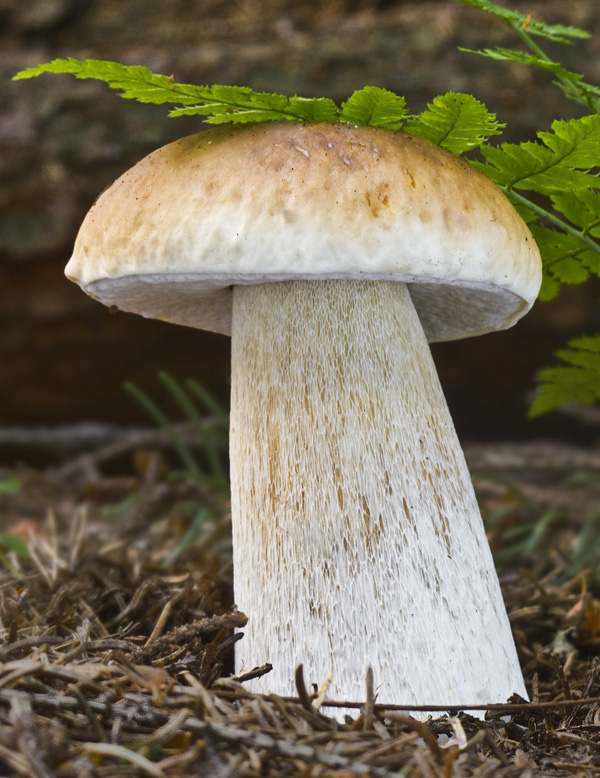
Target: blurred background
(64, 357)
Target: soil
(118, 627)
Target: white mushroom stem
(357, 536)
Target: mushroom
(332, 254)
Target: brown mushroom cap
(273, 202)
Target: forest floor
(118, 627)
(117, 623)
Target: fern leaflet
(457, 122)
(577, 381)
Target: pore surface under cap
(271, 202)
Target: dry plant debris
(116, 652)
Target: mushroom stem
(357, 536)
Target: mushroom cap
(274, 202)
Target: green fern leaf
(576, 142)
(553, 32)
(457, 122)
(558, 164)
(314, 109)
(578, 381)
(219, 103)
(565, 258)
(571, 83)
(134, 81)
(549, 289)
(522, 58)
(581, 208)
(264, 108)
(374, 107)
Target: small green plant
(551, 180)
(210, 422)
(10, 486)
(527, 529)
(195, 402)
(18, 546)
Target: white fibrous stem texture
(357, 536)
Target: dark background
(64, 357)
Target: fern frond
(457, 122)
(559, 163)
(578, 381)
(219, 103)
(552, 32)
(374, 107)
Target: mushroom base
(357, 537)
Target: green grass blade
(204, 432)
(209, 402)
(165, 424)
(192, 536)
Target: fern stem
(571, 89)
(552, 218)
(528, 41)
